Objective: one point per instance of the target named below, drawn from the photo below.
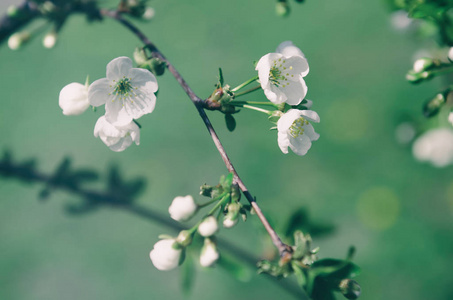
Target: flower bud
(73, 99)
(17, 39)
(50, 40)
(140, 56)
(282, 8)
(208, 227)
(182, 208)
(164, 256)
(209, 254)
(232, 217)
(184, 238)
(423, 64)
(156, 65)
(149, 13)
(350, 288)
(432, 106)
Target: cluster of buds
(225, 200)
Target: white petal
(118, 67)
(294, 91)
(122, 144)
(310, 132)
(288, 49)
(143, 79)
(274, 95)
(143, 103)
(300, 145)
(263, 67)
(283, 141)
(116, 114)
(295, 65)
(98, 92)
(310, 115)
(285, 122)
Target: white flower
(73, 99)
(208, 227)
(209, 254)
(281, 74)
(182, 208)
(435, 146)
(117, 138)
(296, 132)
(128, 93)
(164, 256)
(149, 13)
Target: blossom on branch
(73, 99)
(281, 74)
(296, 132)
(164, 255)
(128, 93)
(208, 227)
(182, 208)
(435, 146)
(117, 138)
(209, 254)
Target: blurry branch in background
(121, 194)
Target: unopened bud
(149, 13)
(50, 40)
(184, 239)
(232, 217)
(140, 56)
(208, 227)
(209, 254)
(350, 288)
(432, 106)
(423, 64)
(17, 39)
(282, 8)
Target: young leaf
(230, 122)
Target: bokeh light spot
(346, 120)
(378, 208)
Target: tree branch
(283, 249)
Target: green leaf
(187, 276)
(300, 276)
(230, 122)
(334, 268)
(220, 77)
(236, 268)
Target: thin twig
(283, 249)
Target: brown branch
(283, 249)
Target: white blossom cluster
(281, 75)
(167, 253)
(126, 92)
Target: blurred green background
(396, 211)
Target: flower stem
(267, 112)
(247, 91)
(238, 103)
(242, 85)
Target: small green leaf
(220, 77)
(300, 276)
(228, 181)
(334, 268)
(230, 122)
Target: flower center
(296, 128)
(123, 87)
(278, 74)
